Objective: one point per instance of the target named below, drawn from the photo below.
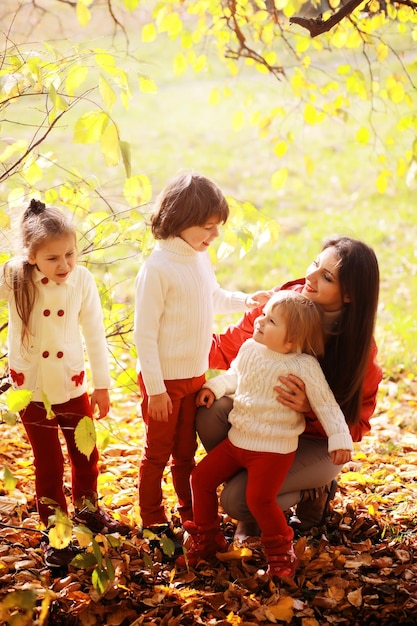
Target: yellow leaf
(83, 13)
(279, 178)
(60, 534)
(232, 555)
(14, 200)
(280, 148)
(283, 610)
(32, 173)
(147, 85)
(312, 115)
(89, 127)
(309, 162)
(382, 182)
(58, 101)
(107, 93)
(180, 64)
(105, 61)
(76, 76)
(363, 135)
(303, 44)
(109, 142)
(137, 190)
(148, 33)
(214, 97)
(381, 52)
(238, 120)
(396, 93)
(83, 535)
(172, 24)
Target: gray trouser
(311, 468)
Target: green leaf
(10, 481)
(85, 436)
(84, 560)
(48, 407)
(18, 399)
(126, 156)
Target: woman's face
(322, 281)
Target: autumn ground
(359, 569)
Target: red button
(44, 280)
(45, 354)
(47, 312)
(60, 355)
(60, 312)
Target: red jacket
(225, 347)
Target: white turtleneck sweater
(258, 421)
(176, 297)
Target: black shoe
(99, 521)
(163, 539)
(58, 559)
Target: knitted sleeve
(324, 405)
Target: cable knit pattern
(176, 297)
(258, 421)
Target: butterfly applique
(78, 378)
(17, 377)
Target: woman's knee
(233, 498)
(212, 424)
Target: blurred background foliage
(102, 102)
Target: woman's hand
(293, 394)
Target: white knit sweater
(64, 316)
(176, 297)
(259, 422)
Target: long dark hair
(348, 351)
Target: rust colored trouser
(175, 439)
(266, 472)
(43, 435)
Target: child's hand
(100, 398)
(159, 407)
(259, 298)
(205, 397)
(340, 457)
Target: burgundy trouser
(266, 473)
(175, 439)
(43, 435)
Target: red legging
(43, 435)
(174, 439)
(266, 473)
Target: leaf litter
(361, 568)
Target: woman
(344, 281)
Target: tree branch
(317, 26)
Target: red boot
(204, 542)
(282, 561)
